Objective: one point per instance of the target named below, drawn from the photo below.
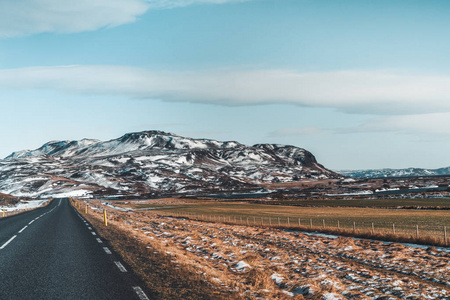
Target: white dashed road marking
(120, 266)
(29, 223)
(9, 241)
(140, 293)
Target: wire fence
(422, 233)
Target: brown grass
(13, 201)
(430, 222)
(164, 278)
(302, 261)
(260, 279)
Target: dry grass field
(411, 225)
(374, 203)
(232, 261)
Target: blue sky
(361, 84)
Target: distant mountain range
(153, 163)
(408, 172)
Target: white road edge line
(107, 250)
(99, 240)
(93, 233)
(9, 241)
(30, 222)
(120, 266)
(20, 231)
(140, 293)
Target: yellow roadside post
(3, 213)
(85, 209)
(104, 216)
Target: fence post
(393, 228)
(104, 216)
(338, 225)
(323, 223)
(278, 221)
(372, 228)
(310, 223)
(299, 223)
(354, 227)
(289, 224)
(254, 220)
(445, 235)
(417, 230)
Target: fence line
(424, 232)
(427, 234)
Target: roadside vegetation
(432, 203)
(164, 278)
(423, 226)
(188, 258)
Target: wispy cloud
(25, 17)
(362, 92)
(165, 4)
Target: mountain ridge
(153, 163)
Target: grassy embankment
(402, 225)
(8, 200)
(163, 278)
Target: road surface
(54, 253)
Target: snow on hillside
(152, 162)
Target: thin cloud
(166, 4)
(26, 17)
(362, 92)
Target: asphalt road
(53, 253)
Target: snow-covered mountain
(153, 163)
(408, 172)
